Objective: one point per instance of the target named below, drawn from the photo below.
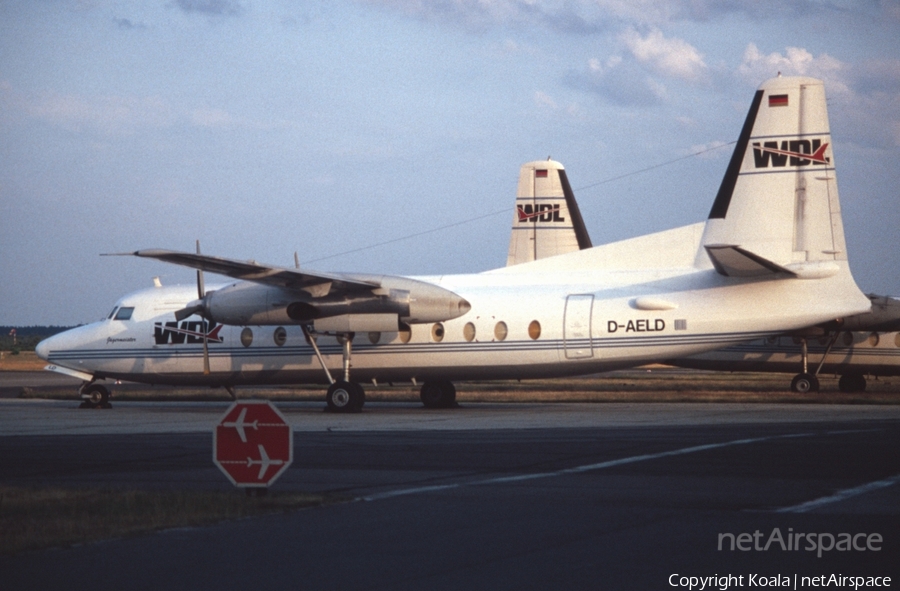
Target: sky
(386, 135)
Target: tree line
(25, 338)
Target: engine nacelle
(405, 300)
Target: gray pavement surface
(488, 496)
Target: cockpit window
(111, 313)
(124, 313)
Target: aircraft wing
(334, 302)
(315, 283)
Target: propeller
(201, 293)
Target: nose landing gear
(94, 396)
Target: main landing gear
(342, 395)
(347, 396)
(439, 394)
(804, 381)
(852, 382)
(809, 382)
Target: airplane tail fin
(777, 209)
(547, 221)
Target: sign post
(253, 444)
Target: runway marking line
(580, 469)
(840, 495)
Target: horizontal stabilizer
(734, 261)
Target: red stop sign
(253, 444)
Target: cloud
(864, 98)
(110, 115)
(545, 100)
(578, 16)
(211, 7)
(795, 61)
(635, 76)
(890, 9)
(120, 115)
(585, 16)
(870, 119)
(128, 24)
(621, 82)
(215, 118)
(673, 58)
(876, 76)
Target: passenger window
(124, 313)
(280, 336)
(247, 336)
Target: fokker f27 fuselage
(771, 260)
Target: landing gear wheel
(440, 394)
(345, 397)
(852, 382)
(95, 396)
(805, 382)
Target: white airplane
(241, 426)
(860, 345)
(263, 462)
(771, 259)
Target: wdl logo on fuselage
(189, 332)
(789, 153)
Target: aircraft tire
(96, 396)
(805, 382)
(438, 394)
(344, 397)
(852, 382)
(360, 397)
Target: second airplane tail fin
(777, 209)
(547, 221)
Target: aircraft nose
(43, 349)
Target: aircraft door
(577, 326)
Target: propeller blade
(201, 288)
(205, 353)
(201, 293)
(188, 311)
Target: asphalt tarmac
(487, 496)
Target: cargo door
(577, 326)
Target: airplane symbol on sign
(240, 425)
(263, 462)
